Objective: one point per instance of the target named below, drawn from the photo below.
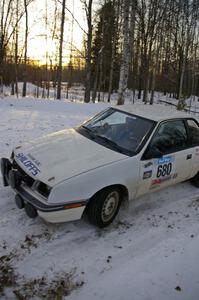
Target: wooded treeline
(143, 45)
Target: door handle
(189, 156)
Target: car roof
(156, 112)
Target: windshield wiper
(92, 135)
(89, 132)
(110, 142)
(85, 127)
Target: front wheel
(104, 206)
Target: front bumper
(53, 213)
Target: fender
(84, 186)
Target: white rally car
(120, 154)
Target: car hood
(62, 155)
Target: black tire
(195, 180)
(30, 211)
(105, 201)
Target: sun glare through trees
(112, 45)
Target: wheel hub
(110, 206)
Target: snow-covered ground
(150, 252)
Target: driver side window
(170, 137)
(193, 132)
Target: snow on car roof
(156, 112)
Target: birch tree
(59, 71)
(124, 68)
(25, 49)
(88, 10)
(16, 47)
(114, 42)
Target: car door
(168, 157)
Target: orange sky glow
(41, 45)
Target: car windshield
(118, 130)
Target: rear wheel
(104, 206)
(195, 180)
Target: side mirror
(153, 153)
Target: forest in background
(142, 45)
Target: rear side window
(193, 132)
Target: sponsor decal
(164, 170)
(149, 164)
(34, 170)
(147, 174)
(157, 182)
(33, 159)
(165, 166)
(165, 159)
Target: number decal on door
(164, 169)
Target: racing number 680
(164, 170)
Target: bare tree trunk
(145, 75)
(59, 71)
(146, 87)
(152, 86)
(133, 7)
(186, 31)
(12, 88)
(155, 66)
(2, 39)
(25, 50)
(1, 85)
(16, 50)
(110, 87)
(88, 9)
(135, 61)
(147, 64)
(124, 68)
(100, 59)
(94, 93)
(181, 78)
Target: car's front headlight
(42, 189)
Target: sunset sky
(38, 44)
